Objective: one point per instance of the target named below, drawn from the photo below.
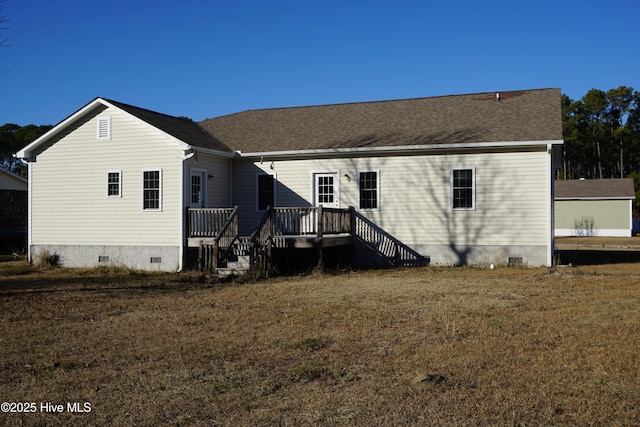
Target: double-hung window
(152, 190)
(463, 188)
(369, 189)
(114, 184)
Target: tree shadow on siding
(465, 229)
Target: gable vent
(104, 128)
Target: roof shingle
(530, 115)
(595, 188)
(185, 130)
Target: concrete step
(241, 262)
(227, 272)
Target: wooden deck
(215, 232)
(308, 227)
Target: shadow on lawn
(29, 280)
(597, 257)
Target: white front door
(198, 189)
(326, 190)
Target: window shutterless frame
(114, 183)
(152, 190)
(369, 189)
(463, 188)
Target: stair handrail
(259, 242)
(390, 246)
(230, 231)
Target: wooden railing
(222, 225)
(279, 222)
(208, 222)
(317, 221)
(384, 244)
(225, 236)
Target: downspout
(189, 153)
(29, 210)
(550, 207)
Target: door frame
(203, 186)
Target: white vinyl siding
(85, 216)
(217, 171)
(607, 217)
(417, 195)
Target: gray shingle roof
(530, 115)
(594, 188)
(183, 129)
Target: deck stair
(222, 250)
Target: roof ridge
(381, 101)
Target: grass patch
(424, 346)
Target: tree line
(601, 134)
(12, 139)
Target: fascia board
(403, 149)
(183, 145)
(230, 155)
(25, 153)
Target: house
(13, 210)
(463, 179)
(594, 207)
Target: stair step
(226, 271)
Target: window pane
(368, 190)
(151, 190)
(113, 184)
(462, 192)
(195, 189)
(325, 189)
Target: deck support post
(320, 231)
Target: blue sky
(203, 59)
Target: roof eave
(26, 153)
(401, 149)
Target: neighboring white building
(464, 179)
(594, 207)
(9, 181)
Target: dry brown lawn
(424, 346)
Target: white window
(114, 184)
(463, 188)
(103, 128)
(152, 190)
(369, 189)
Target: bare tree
(3, 27)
